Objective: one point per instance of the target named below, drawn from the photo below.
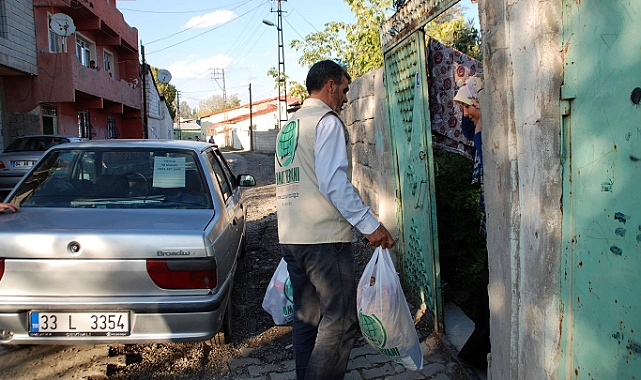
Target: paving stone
(441, 376)
(291, 375)
(353, 375)
(379, 359)
(432, 369)
(364, 350)
(379, 372)
(358, 363)
(257, 370)
(407, 375)
(234, 364)
(288, 365)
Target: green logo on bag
(373, 329)
(288, 291)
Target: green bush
(461, 246)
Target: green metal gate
(601, 298)
(406, 82)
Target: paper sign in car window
(169, 172)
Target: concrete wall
(265, 141)
(365, 116)
(18, 42)
(522, 167)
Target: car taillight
(1, 268)
(2, 165)
(183, 273)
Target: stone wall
(365, 116)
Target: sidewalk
(366, 363)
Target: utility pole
(145, 69)
(251, 121)
(180, 133)
(220, 74)
(282, 82)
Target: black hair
(321, 72)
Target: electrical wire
(194, 26)
(205, 32)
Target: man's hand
(8, 206)
(380, 237)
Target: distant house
(188, 129)
(230, 128)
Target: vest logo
(287, 143)
(288, 176)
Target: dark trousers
(325, 321)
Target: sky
(200, 41)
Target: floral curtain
(448, 69)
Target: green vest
(305, 216)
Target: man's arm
(331, 170)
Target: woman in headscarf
(475, 350)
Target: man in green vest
(317, 206)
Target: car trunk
(89, 252)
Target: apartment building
(87, 77)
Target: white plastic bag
(383, 314)
(279, 301)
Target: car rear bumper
(179, 319)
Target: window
(84, 50)
(108, 59)
(111, 127)
(218, 176)
(84, 125)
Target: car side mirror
(246, 180)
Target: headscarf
(469, 92)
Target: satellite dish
(164, 76)
(62, 25)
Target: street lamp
(281, 65)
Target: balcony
(99, 17)
(64, 79)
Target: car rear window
(116, 178)
(35, 143)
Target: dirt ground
(254, 333)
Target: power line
(205, 32)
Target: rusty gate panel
(601, 295)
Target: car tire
(223, 336)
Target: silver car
(122, 241)
(22, 153)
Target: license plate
(22, 164)
(43, 324)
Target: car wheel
(224, 335)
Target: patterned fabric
(448, 69)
